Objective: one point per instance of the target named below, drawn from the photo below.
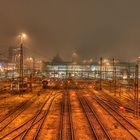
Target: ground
(81, 113)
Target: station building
(93, 70)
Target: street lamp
(22, 36)
(21, 71)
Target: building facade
(94, 70)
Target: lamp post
(30, 62)
(21, 69)
(101, 64)
(106, 65)
(114, 77)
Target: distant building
(57, 59)
(74, 58)
(85, 70)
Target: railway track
(66, 130)
(24, 124)
(20, 106)
(60, 134)
(15, 113)
(39, 128)
(115, 102)
(70, 116)
(97, 128)
(125, 123)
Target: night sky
(92, 28)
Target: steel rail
(20, 126)
(99, 121)
(70, 114)
(60, 135)
(37, 114)
(19, 107)
(115, 117)
(42, 121)
(94, 134)
(20, 111)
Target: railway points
(69, 109)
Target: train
(17, 86)
(58, 83)
(52, 84)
